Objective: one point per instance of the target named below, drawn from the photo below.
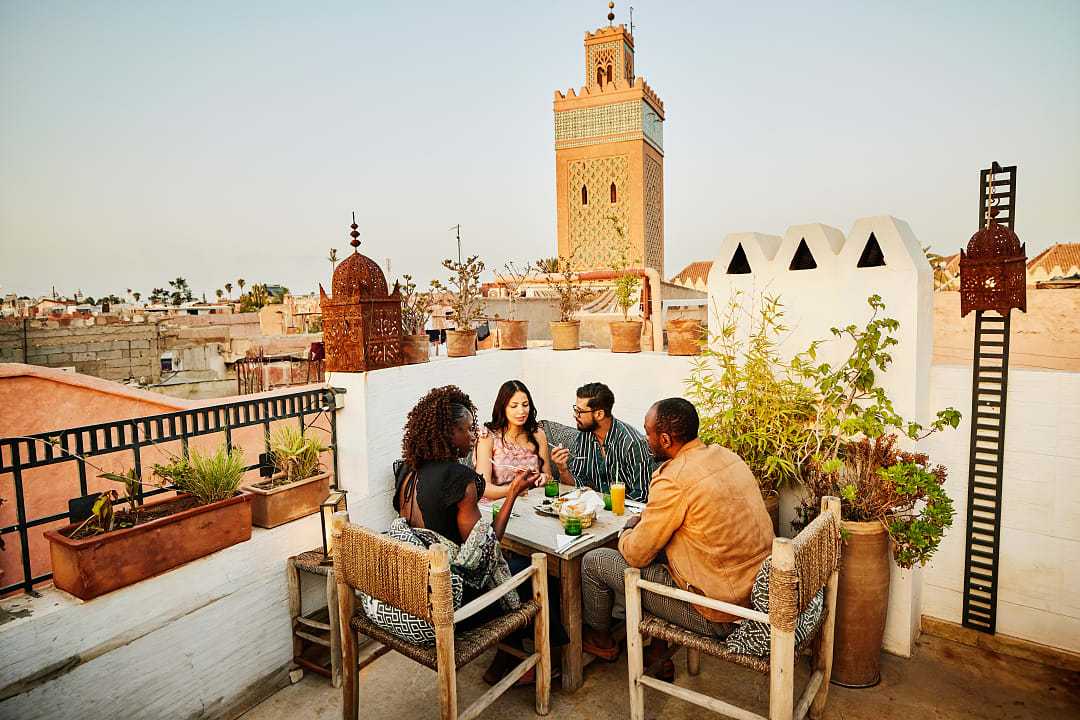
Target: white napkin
(564, 541)
(584, 500)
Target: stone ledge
(1002, 644)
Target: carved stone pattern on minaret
(652, 126)
(628, 71)
(593, 240)
(654, 213)
(595, 125)
(600, 55)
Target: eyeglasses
(579, 411)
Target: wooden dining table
(528, 531)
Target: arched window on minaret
(609, 72)
(614, 194)
(584, 194)
(600, 76)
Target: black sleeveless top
(439, 487)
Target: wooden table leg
(570, 589)
(335, 630)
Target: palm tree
(332, 257)
(228, 289)
(240, 283)
(220, 294)
(136, 295)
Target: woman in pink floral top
(513, 439)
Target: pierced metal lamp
(334, 502)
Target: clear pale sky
(144, 140)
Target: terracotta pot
(625, 336)
(862, 601)
(415, 349)
(277, 506)
(684, 337)
(565, 335)
(96, 565)
(772, 505)
(460, 343)
(513, 334)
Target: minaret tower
(609, 159)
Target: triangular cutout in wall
(739, 265)
(871, 254)
(804, 259)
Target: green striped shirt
(625, 458)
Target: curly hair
(429, 425)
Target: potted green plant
(415, 311)
(626, 334)
(889, 499)
(115, 548)
(563, 279)
(753, 402)
(298, 484)
(466, 304)
(513, 333)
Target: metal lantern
(993, 270)
(362, 319)
(335, 502)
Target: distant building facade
(609, 160)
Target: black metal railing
(71, 445)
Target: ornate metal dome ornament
(993, 270)
(362, 319)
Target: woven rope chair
(800, 567)
(417, 581)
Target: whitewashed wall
(206, 640)
(1039, 571)
(834, 294)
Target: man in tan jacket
(705, 529)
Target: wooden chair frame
(438, 564)
(782, 644)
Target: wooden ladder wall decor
(989, 391)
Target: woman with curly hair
(512, 440)
(433, 490)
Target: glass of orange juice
(618, 498)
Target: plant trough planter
(565, 335)
(513, 334)
(96, 565)
(277, 506)
(460, 343)
(625, 336)
(415, 349)
(685, 337)
(862, 602)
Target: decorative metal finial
(611, 13)
(355, 242)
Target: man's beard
(592, 425)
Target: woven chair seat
(468, 644)
(676, 635)
(311, 561)
(663, 630)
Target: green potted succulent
(415, 311)
(513, 333)
(113, 548)
(466, 304)
(298, 484)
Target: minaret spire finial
(355, 242)
(611, 13)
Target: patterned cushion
(752, 637)
(394, 620)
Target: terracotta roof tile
(1065, 256)
(694, 272)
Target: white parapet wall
(823, 278)
(206, 640)
(1038, 571)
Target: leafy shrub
(207, 478)
(295, 455)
